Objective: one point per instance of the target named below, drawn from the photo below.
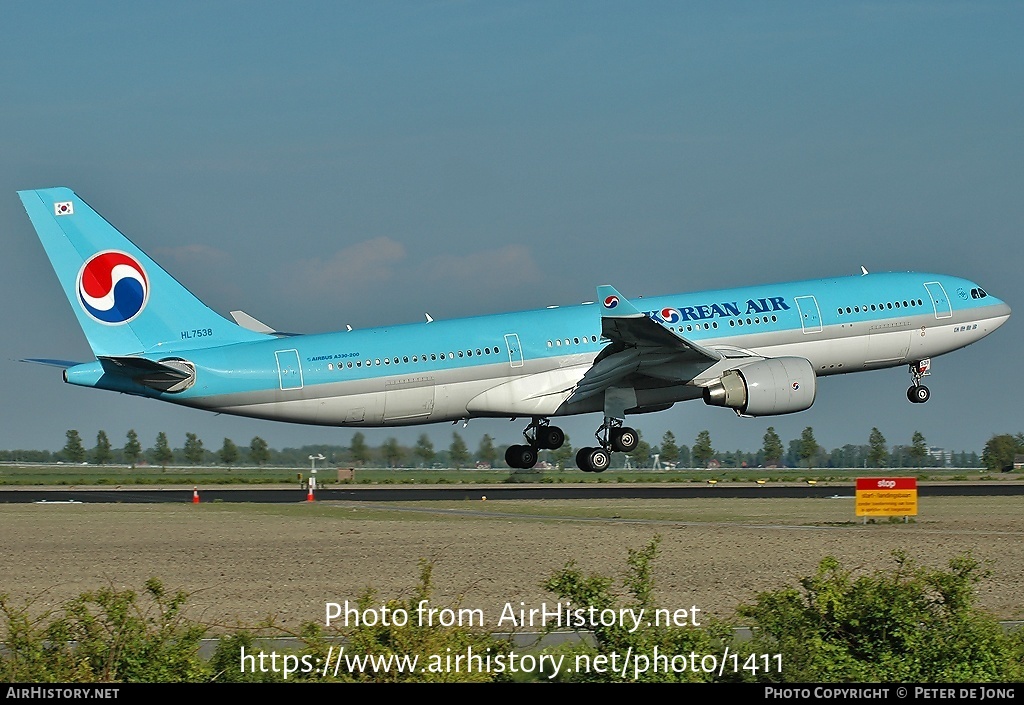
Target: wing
(640, 348)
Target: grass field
(100, 475)
(242, 563)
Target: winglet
(614, 304)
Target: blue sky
(324, 164)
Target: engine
(778, 385)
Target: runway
(425, 493)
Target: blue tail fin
(125, 302)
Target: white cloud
(348, 272)
(490, 271)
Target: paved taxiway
(413, 493)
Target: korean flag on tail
(64, 208)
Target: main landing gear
(613, 437)
(540, 435)
(918, 393)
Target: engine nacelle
(778, 385)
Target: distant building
(941, 456)
(1018, 462)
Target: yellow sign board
(886, 496)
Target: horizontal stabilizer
(52, 363)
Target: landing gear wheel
(523, 457)
(599, 460)
(583, 459)
(550, 437)
(625, 439)
(919, 394)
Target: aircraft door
(940, 302)
(810, 316)
(515, 350)
(289, 369)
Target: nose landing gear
(918, 393)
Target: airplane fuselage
(528, 363)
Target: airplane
(757, 350)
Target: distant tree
(101, 454)
(561, 457)
(808, 446)
(359, 450)
(918, 449)
(793, 453)
(669, 451)
(877, 452)
(702, 452)
(162, 453)
(193, 449)
(259, 452)
(391, 452)
(684, 456)
(424, 450)
(73, 450)
(486, 452)
(228, 452)
(132, 448)
(458, 453)
(999, 452)
(772, 449)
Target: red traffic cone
(195, 495)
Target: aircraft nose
(1001, 312)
